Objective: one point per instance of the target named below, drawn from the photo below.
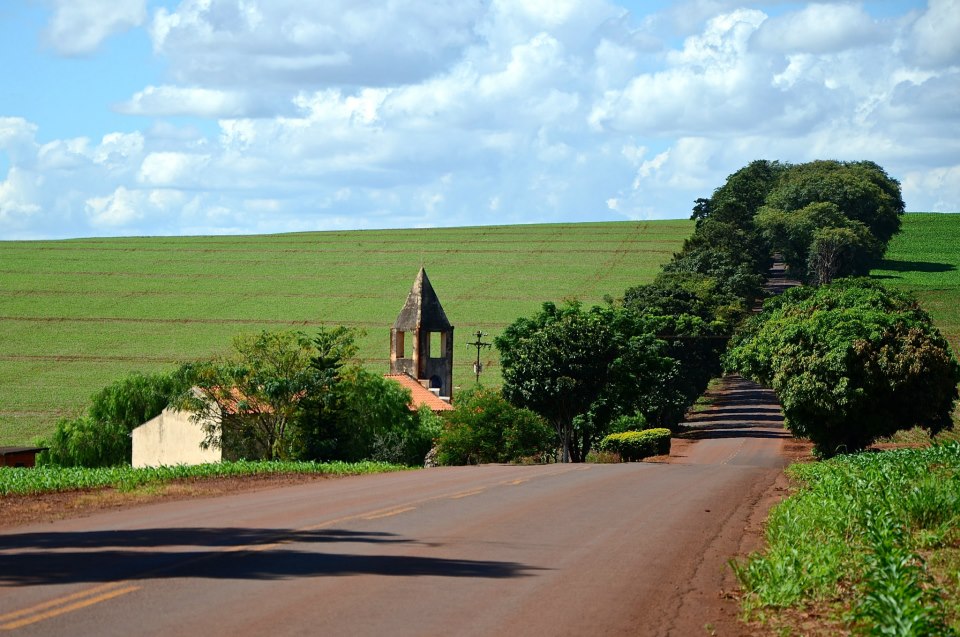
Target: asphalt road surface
(627, 549)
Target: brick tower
(421, 340)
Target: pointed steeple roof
(422, 309)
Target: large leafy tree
(351, 414)
(248, 400)
(581, 368)
(861, 190)
(850, 361)
(819, 242)
(738, 199)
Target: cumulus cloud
(820, 28)
(18, 139)
(120, 208)
(283, 115)
(290, 42)
(78, 28)
(713, 83)
(196, 101)
(934, 40)
(173, 169)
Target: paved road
(543, 550)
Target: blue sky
(136, 117)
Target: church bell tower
(421, 340)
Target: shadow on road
(107, 556)
(188, 536)
(739, 409)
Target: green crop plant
(854, 535)
(22, 481)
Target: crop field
(925, 259)
(76, 315)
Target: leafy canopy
(850, 361)
(580, 369)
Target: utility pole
(479, 344)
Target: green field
(925, 259)
(76, 315)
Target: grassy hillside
(925, 259)
(77, 315)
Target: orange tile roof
(420, 394)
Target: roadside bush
(485, 427)
(637, 445)
(851, 362)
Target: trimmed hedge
(637, 445)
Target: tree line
(849, 359)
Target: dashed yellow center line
(466, 494)
(37, 613)
(387, 514)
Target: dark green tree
(580, 369)
(352, 414)
(738, 199)
(840, 252)
(861, 190)
(850, 361)
(845, 247)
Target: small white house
(171, 438)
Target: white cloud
(820, 28)
(195, 101)
(936, 190)
(18, 139)
(78, 28)
(935, 37)
(712, 84)
(119, 150)
(173, 169)
(118, 209)
(289, 42)
(19, 194)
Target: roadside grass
(79, 314)
(871, 541)
(37, 480)
(707, 398)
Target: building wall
(171, 439)
(19, 459)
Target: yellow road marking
(387, 514)
(55, 602)
(53, 612)
(466, 494)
